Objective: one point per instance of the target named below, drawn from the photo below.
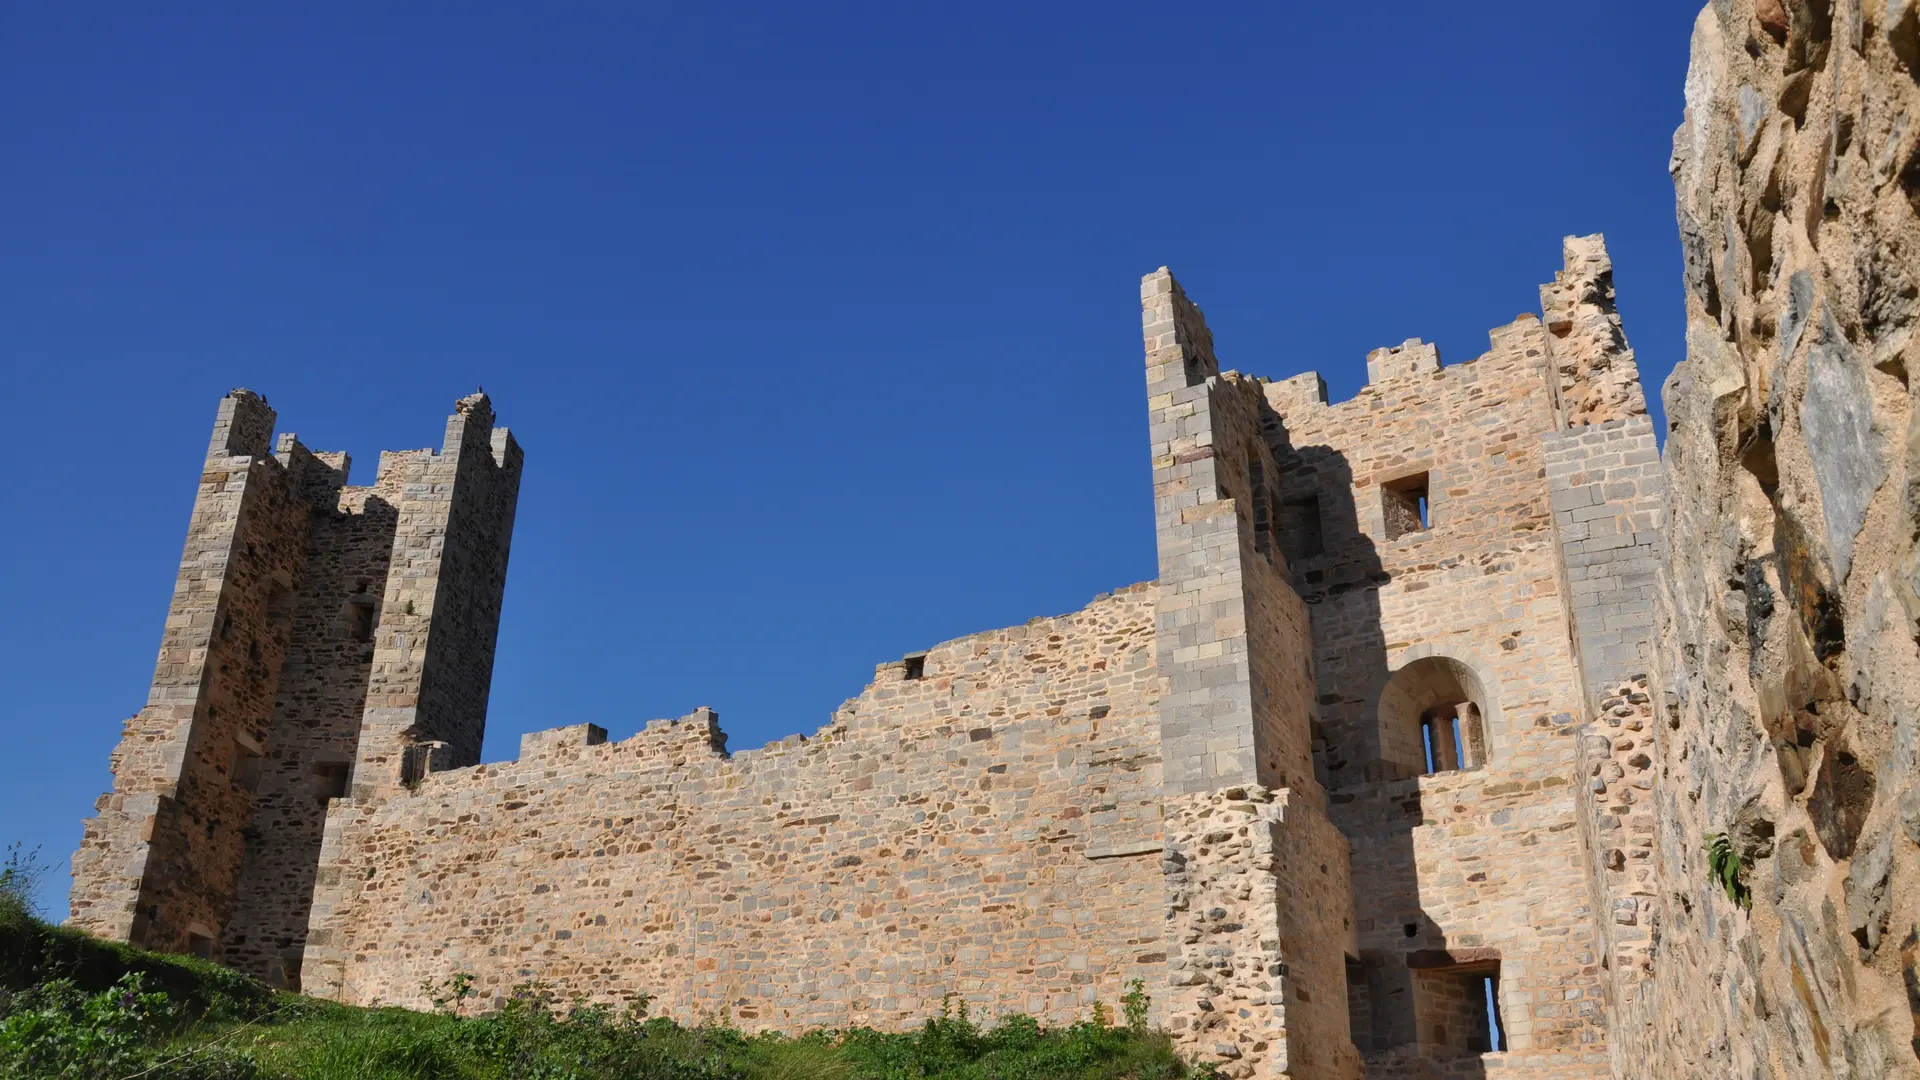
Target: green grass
(75, 1008)
(57, 1031)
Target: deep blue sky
(819, 323)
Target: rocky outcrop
(1787, 931)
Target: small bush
(952, 1047)
(20, 875)
(33, 954)
(59, 1032)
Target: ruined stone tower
(1398, 636)
(322, 640)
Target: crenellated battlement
(1585, 362)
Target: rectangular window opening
(1301, 534)
(199, 945)
(1359, 1006)
(330, 781)
(1490, 988)
(244, 769)
(916, 666)
(360, 619)
(1405, 507)
(1458, 1005)
(1262, 508)
(1480, 989)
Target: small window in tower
(245, 767)
(1300, 531)
(1404, 505)
(360, 618)
(1262, 504)
(1451, 738)
(1487, 1034)
(330, 780)
(1359, 1006)
(916, 666)
(1458, 1003)
(200, 945)
(279, 604)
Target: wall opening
(1490, 994)
(1432, 719)
(1451, 737)
(916, 666)
(1459, 1008)
(244, 768)
(1263, 507)
(1359, 1006)
(1379, 1003)
(330, 781)
(279, 605)
(287, 976)
(360, 611)
(199, 944)
(1405, 506)
(1301, 534)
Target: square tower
(320, 635)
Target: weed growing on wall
(1726, 867)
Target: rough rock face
(1789, 614)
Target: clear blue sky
(819, 323)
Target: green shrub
(32, 953)
(952, 1047)
(59, 1032)
(20, 875)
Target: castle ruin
(1321, 786)
(1406, 765)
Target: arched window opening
(1431, 717)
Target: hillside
(74, 1007)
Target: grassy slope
(223, 1025)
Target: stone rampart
(982, 821)
(1359, 786)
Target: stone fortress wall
(1218, 783)
(1418, 736)
(983, 822)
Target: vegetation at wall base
(76, 1008)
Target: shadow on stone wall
(1375, 803)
